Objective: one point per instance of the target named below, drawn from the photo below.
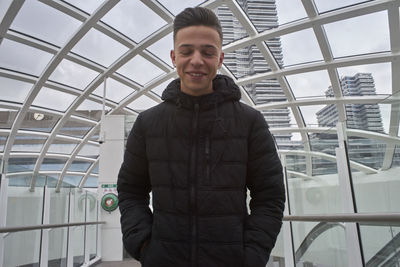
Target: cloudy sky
(355, 36)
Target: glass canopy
(306, 65)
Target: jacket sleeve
(133, 193)
(265, 182)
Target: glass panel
(52, 164)
(24, 208)
(162, 48)
(87, 5)
(290, 11)
(323, 5)
(91, 182)
(15, 243)
(140, 70)
(75, 128)
(295, 164)
(28, 143)
(232, 29)
(160, 89)
(295, 52)
(58, 237)
(381, 75)
(78, 233)
(3, 140)
(380, 244)
(142, 103)
(44, 22)
(95, 136)
(90, 110)
(73, 74)
(115, 90)
(40, 122)
(23, 58)
(72, 180)
(261, 13)
(311, 115)
(277, 258)
(53, 99)
(62, 147)
(128, 16)
(309, 83)
(91, 151)
(328, 248)
(347, 37)
(175, 9)
(100, 48)
(79, 166)
(92, 229)
(7, 118)
(13, 90)
(21, 164)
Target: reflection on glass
(295, 52)
(128, 17)
(91, 151)
(232, 29)
(52, 164)
(311, 115)
(90, 110)
(73, 74)
(13, 90)
(77, 128)
(290, 10)
(140, 70)
(72, 180)
(320, 244)
(115, 90)
(21, 164)
(3, 140)
(28, 143)
(45, 23)
(7, 118)
(92, 229)
(309, 84)
(79, 166)
(23, 58)
(348, 37)
(37, 121)
(100, 48)
(91, 182)
(78, 233)
(380, 245)
(62, 147)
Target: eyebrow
(202, 46)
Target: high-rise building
(249, 60)
(359, 116)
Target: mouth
(196, 74)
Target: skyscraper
(249, 60)
(359, 116)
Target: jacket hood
(224, 89)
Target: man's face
(197, 56)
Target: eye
(185, 52)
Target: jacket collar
(224, 90)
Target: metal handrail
(377, 219)
(45, 226)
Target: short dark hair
(197, 16)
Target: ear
(172, 55)
(221, 59)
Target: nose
(196, 59)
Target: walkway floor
(126, 263)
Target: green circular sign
(109, 202)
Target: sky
(360, 35)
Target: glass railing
(38, 223)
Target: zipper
(193, 182)
(207, 152)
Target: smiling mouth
(196, 74)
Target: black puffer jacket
(197, 155)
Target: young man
(198, 152)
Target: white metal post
(3, 214)
(287, 226)
(70, 250)
(353, 240)
(44, 247)
(87, 247)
